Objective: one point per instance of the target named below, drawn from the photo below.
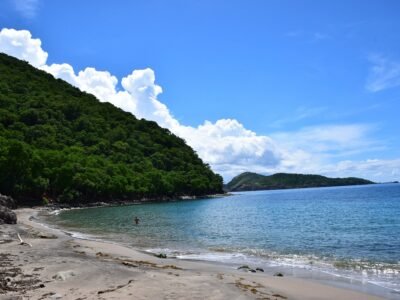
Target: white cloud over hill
(226, 145)
(19, 43)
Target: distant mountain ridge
(249, 181)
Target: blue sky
(296, 86)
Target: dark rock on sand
(244, 267)
(278, 274)
(248, 269)
(260, 269)
(161, 255)
(7, 216)
(8, 202)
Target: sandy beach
(51, 264)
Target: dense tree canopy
(59, 143)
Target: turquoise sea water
(348, 232)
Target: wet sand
(59, 266)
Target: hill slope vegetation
(251, 181)
(58, 143)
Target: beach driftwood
(22, 241)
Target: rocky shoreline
(7, 204)
(7, 216)
(57, 206)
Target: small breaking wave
(385, 275)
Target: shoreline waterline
(102, 266)
(305, 271)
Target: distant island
(252, 181)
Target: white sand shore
(63, 267)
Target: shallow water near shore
(345, 234)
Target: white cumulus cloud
(20, 44)
(230, 148)
(226, 144)
(63, 71)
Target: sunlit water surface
(347, 232)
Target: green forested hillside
(251, 181)
(59, 143)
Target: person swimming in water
(136, 220)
